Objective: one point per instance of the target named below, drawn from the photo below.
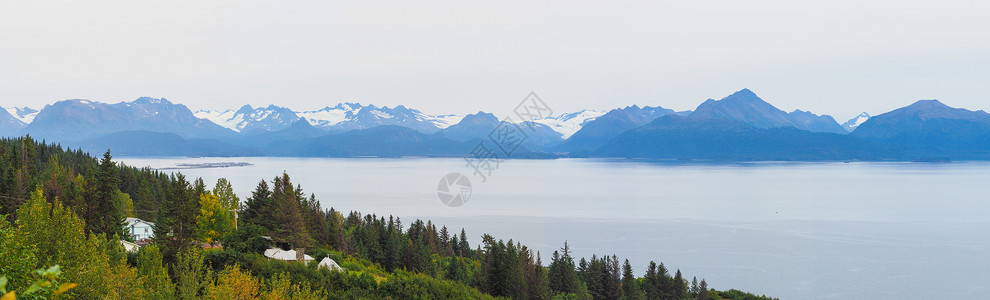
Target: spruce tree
(562, 276)
(630, 288)
(102, 214)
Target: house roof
(279, 254)
(133, 221)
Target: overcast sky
(832, 57)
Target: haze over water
(788, 230)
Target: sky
(833, 57)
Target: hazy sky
(834, 57)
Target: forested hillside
(63, 219)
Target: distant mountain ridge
(746, 107)
(599, 131)
(931, 129)
(717, 139)
(741, 126)
(72, 120)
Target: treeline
(65, 208)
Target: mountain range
(741, 126)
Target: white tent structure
(330, 264)
(286, 255)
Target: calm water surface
(789, 230)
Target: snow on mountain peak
(569, 123)
(855, 122)
(24, 114)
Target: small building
(286, 255)
(139, 229)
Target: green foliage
(17, 257)
(214, 220)
(233, 283)
(563, 277)
(190, 274)
(44, 287)
(154, 274)
(225, 192)
(247, 238)
(381, 258)
(59, 238)
(124, 204)
(103, 214)
(737, 295)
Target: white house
(139, 229)
(287, 255)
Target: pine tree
(630, 288)
(444, 237)
(562, 276)
(145, 203)
(464, 246)
(176, 226)
(703, 290)
(259, 208)
(291, 226)
(679, 290)
(102, 214)
(651, 282)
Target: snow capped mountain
(568, 124)
(855, 122)
(329, 116)
(25, 114)
(219, 117)
(339, 118)
(248, 119)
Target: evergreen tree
(145, 203)
(703, 290)
(694, 287)
(102, 214)
(259, 208)
(464, 246)
(652, 283)
(291, 225)
(679, 290)
(176, 226)
(444, 238)
(630, 288)
(562, 276)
